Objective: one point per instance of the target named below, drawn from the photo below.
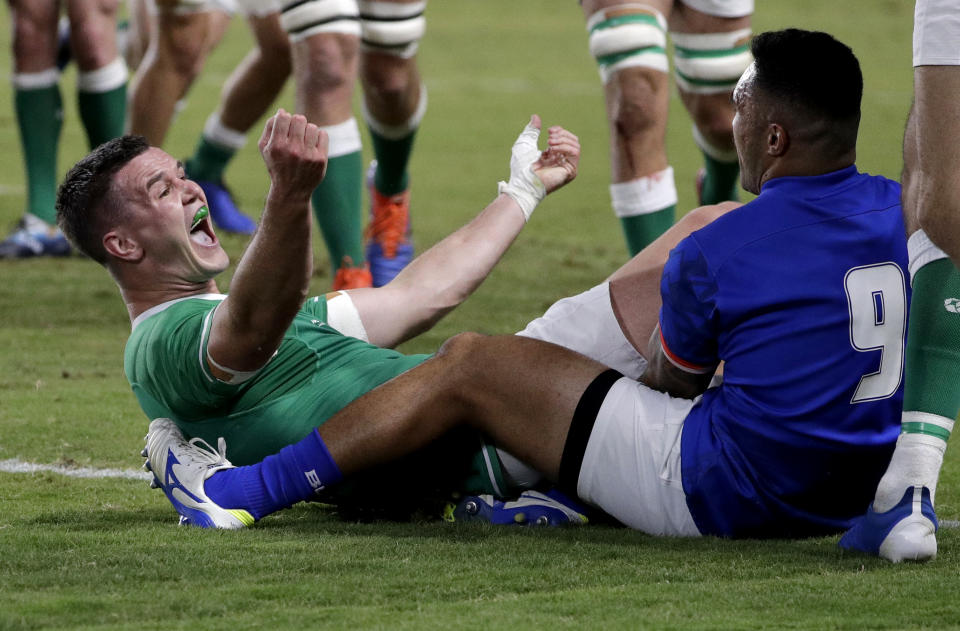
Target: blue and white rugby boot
(180, 467)
(906, 532)
(34, 237)
(532, 508)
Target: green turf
(105, 554)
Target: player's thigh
(34, 34)
(631, 463)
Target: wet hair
(814, 74)
(86, 204)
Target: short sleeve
(171, 363)
(688, 315)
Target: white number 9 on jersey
(877, 302)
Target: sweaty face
(748, 131)
(161, 206)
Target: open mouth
(201, 232)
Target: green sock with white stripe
(645, 206)
(39, 111)
(933, 345)
(102, 101)
(932, 371)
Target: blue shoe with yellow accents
(906, 532)
(180, 468)
(532, 508)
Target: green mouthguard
(200, 216)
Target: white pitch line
(15, 465)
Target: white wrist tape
(524, 186)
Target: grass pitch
(104, 554)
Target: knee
(327, 65)
(700, 217)
(34, 37)
(636, 109)
(389, 82)
(182, 44)
(714, 119)
(93, 44)
(461, 346)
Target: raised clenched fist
(295, 152)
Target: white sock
(916, 461)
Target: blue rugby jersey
(802, 294)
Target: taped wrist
(524, 186)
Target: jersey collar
(163, 306)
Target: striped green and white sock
(646, 207)
(932, 371)
(336, 202)
(102, 101)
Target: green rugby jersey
(315, 372)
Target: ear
(778, 140)
(122, 247)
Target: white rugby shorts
(936, 33)
(258, 8)
(722, 8)
(631, 460)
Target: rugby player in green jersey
(262, 366)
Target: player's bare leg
(628, 40)
(102, 76)
(635, 287)
(394, 103)
(901, 524)
(247, 94)
(180, 42)
(39, 114)
(325, 36)
(487, 382)
(710, 54)
(138, 32)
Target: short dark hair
(812, 70)
(84, 205)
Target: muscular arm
(661, 374)
(272, 278)
(443, 276)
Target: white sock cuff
(928, 418)
(644, 195)
(36, 80)
(216, 132)
(720, 155)
(344, 138)
(924, 440)
(921, 251)
(34, 224)
(518, 474)
(109, 77)
(397, 132)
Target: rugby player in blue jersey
(801, 295)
